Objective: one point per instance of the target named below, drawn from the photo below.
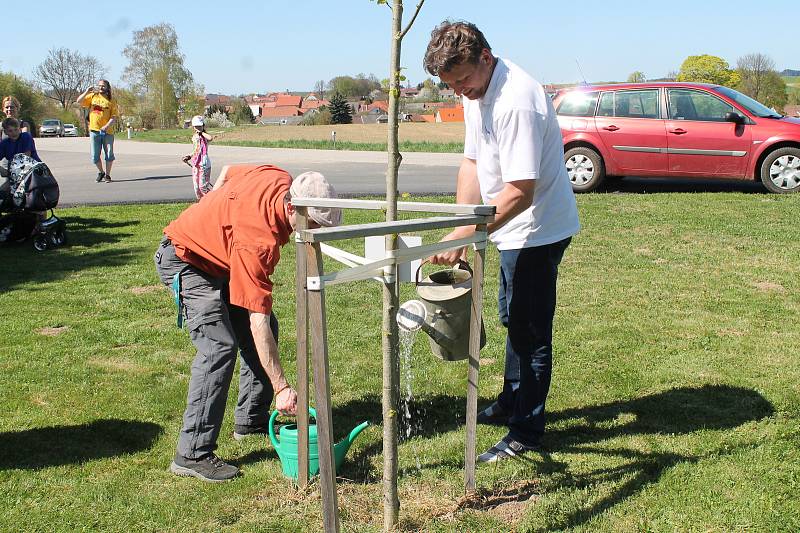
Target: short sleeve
(520, 138)
(250, 269)
(87, 100)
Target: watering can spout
(340, 449)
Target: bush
(321, 118)
(218, 119)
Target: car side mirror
(736, 118)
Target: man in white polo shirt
(514, 160)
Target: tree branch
(411, 22)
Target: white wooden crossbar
(420, 207)
(387, 228)
(366, 269)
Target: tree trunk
(391, 356)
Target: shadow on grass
(677, 411)
(149, 178)
(20, 263)
(37, 448)
(671, 185)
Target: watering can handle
(463, 265)
(272, 437)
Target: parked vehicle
(675, 129)
(70, 130)
(51, 127)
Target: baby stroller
(32, 191)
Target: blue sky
(272, 45)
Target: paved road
(151, 172)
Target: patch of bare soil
(507, 504)
(52, 331)
(144, 290)
(766, 286)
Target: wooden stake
(319, 346)
(474, 364)
(301, 299)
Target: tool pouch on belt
(176, 290)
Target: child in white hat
(199, 160)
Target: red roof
(313, 104)
(451, 114)
(383, 105)
(288, 100)
(281, 111)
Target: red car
(675, 129)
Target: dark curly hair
(453, 43)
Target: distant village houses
(285, 108)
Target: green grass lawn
(674, 404)
(184, 136)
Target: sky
(275, 45)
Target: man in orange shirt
(218, 256)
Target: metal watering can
(443, 311)
(286, 446)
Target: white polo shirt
(513, 134)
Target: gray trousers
(217, 330)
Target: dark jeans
(527, 304)
(217, 330)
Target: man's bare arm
(221, 179)
(267, 348)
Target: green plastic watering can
(286, 446)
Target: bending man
(218, 255)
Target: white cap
(314, 185)
(197, 120)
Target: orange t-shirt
(236, 232)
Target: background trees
(761, 81)
(637, 77)
(357, 87)
(340, 110)
(65, 74)
(156, 72)
(708, 69)
(31, 105)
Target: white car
(70, 130)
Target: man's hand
(286, 401)
(451, 257)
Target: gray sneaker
(208, 468)
(493, 415)
(506, 448)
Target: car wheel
(780, 171)
(585, 169)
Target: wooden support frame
(310, 293)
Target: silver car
(70, 130)
(51, 127)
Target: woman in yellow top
(103, 113)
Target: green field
(674, 405)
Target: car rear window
(578, 104)
(629, 104)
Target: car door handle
(611, 128)
(678, 131)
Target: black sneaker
(108, 178)
(208, 468)
(493, 415)
(100, 177)
(506, 448)
(242, 432)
